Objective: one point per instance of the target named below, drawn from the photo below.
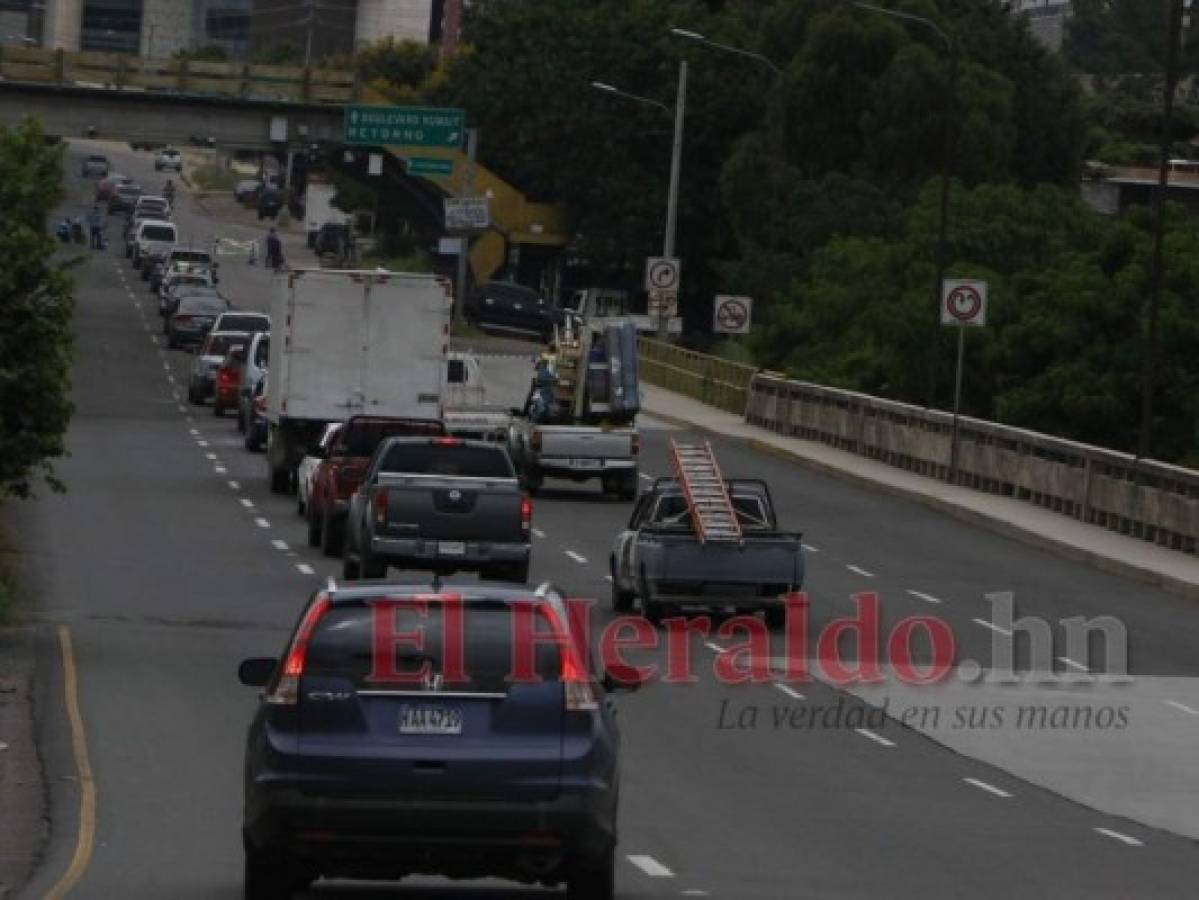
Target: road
(168, 561)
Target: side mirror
(622, 678)
(256, 672)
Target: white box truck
(319, 209)
(351, 343)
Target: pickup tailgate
(436, 507)
(680, 564)
(573, 442)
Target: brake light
(526, 514)
(227, 377)
(636, 443)
(379, 504)
(535, 440)
(577, 693)
(181, 318)
(287, 691)
(447, 442)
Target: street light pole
(951, 105)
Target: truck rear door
(319, 375)
(569, 442)
(405, 341)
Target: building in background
(301, 30)
(224, 24)
(409, 20)
(16, 22)
(1046, 19)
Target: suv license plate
(451, 548)
(430, 720)
(586, 463)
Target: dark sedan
(193, 319)
(513, 307)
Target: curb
(1187, 589)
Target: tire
(532, 482)
(217, 409)
(280, 481)
(350, 569)
(193, 398)
(172, 344)
(775, 616)
(241, 419)
(622, 600)
(333, 535)
(314, 527)
(656, 612)
(265, 880)
(370, 567)
(593, 879)
(128, 252)
(628, 486)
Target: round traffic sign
(732, 315)
(664, 274)
(963, 303)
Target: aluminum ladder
(707, 498)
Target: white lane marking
(211, 456)
(1067, 661)
(248, 504)
(695, 892)
(860, 571)
(193, 431)
(166, 366)
(877, 738)
(1183, 707)
(170, 378)
(989, 788)
(201, 443)
(234, 485)
(646, 477)
(810, 548)
(1122, 838)
(279, 545)
(650, 866)
(305, 569)
(537, 532)
(985, 624)
(182, 408)
(927, 598)
(608, 578)
(262, 523)
(789, 691)
(220, 470)
(715, 648)
(577, 557)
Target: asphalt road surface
(168, 561)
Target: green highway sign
(421, 166)
(412, 126)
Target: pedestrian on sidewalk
(274, 250)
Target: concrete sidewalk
(1107, 550)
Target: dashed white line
(262, 523)
(537, 532)
(695, 892)
(234, 486)
(859, 570)
(194, 432)
(1067, 661)
(211, 456)
(1183, 707)
(989, 788)
(577, 557)
(305, 569)
(1122, 838)
(608, 578)
(991, 625)
(645, 477)
(927, 598)
(810, 548)
(182, 408)
(877, 738)
(789, 691)
(201, 443)
(248, 504)
(220, 470)
(279, 545)
(715, 648)
(170, 378)
(650, 866)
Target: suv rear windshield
(158, 233)
(99, 159)
(421, 458)
(204, 306)
(343, 646)
(219, 344)
(361, 438)
(246, 322)
(191, 256)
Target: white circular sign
(663, 274)
(963, 303)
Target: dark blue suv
(406, 732)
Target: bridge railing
(180, 75)
(1145, 499)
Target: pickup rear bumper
(581, 467)
(418, 553)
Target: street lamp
(689, 35)
(676, 160)
(946, 168)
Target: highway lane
(190, 581)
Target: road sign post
(662, 283)
(963, 305)
(732, 315)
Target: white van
(153, 238)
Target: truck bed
(677, 566)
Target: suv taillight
(227, 377)
(577, 693)
(526, 514)
(636, 443)
(379, 505)
(287, 689)
(535, 440)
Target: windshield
(202, 305)
(426, 458)
(219, 344)
(191, 256)
(163, 233)
(245, 322)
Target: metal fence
(180, 75)
(709, 379)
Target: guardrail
(117, 71)
(1144, 499)
(709, 379)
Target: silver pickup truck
(659, 560)
(576, 452)
(442, 504)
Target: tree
(36, 305)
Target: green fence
(709, 379)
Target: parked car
(150, 203)
(123, 197)
(256, 424)
(308, 466)
(484, 776)
(441, 504)
(192, 319)
(153, 238)
(253, 371)
(177, 255)
(228, 379)
(95, 165)
(513, 307)
(178, 283)
(270, 201)
(340, 474)
(106, 188)
(208, 361)
(250, 322)
(247, 190)
(168, 158)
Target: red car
(341, 471)
(227, 384)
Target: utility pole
(1149, 362)
(468, 190)
(310, 25)
(672, 200)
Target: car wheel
(622, 600)
(593, 879)
(280, 481)
(252, 441)
(128, 252)
(349, 568)
(372, 568)
(332, 535)
(314, 527)
(217, 409)
(266, 880)
(194, 397)
(775, 616)
(532, 482)
(241, 420)
(628, 486)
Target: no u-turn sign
(963, 302)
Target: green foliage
(207, 53)
(280, 53)
(1124, 36)
(36, 305)
(214, 178)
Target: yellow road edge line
(83, 766)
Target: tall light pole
(676, 164)
(951, 104)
